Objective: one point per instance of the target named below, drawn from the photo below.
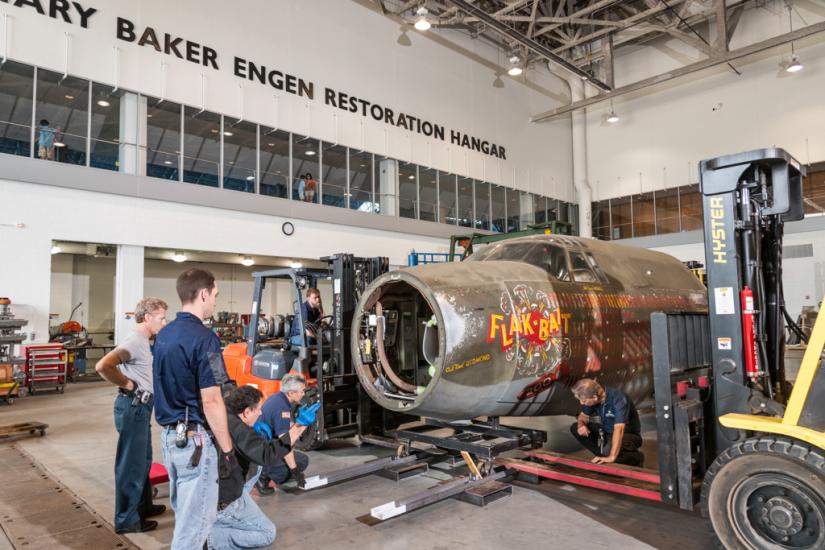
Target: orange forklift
(267, 354)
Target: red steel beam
(610, 469)
(543, 471)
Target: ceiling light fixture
(403, 38)
(309, 152)
(103, 103)
(228, 134)
(56, 249)
(179, 257)
(59, 144)
(422, 23)
(167, 162)
(612, 117)
(247, 261)
(515, 66)
(498, 82)
(69, 96)
(793, 65)
(296, 265)
(250, 178)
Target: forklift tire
(767, 493)
(309, 440)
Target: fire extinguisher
(749, 335)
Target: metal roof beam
(528, 43)
(683, 71)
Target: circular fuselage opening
(398, 344)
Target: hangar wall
(345, 46)
(664, 132)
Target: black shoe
(154, 510)
(263, 486)
(141, 526)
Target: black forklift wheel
(310, 440)
(767, 493)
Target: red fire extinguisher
(749, 335)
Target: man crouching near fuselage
(241, 523)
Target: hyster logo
(717, 230)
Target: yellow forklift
(734, 436)
(728, 420)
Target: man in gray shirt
(133, 409)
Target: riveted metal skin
(508, 331)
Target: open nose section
(399, 349)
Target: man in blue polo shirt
(188, 371)
(311, 312)
(277, 414)
(618, 437)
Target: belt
(132, 393)
(190, 427)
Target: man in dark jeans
(618, 437)
(133, 409)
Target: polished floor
(79, 449)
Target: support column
(580, 181)
(388, 187)
(128, 135)
(128, 288)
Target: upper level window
(163, 126)
(201, 147)
(446, 198)
(275, 177)
(62, 115)
(482, 201)
(334, 175)
(407, 190)
(465, 202)
(360, 181)
(113, 131)
(240, 155)
(427, 194)
(498, 202)
(305, 168)
(16, 92)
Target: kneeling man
(240, 522)
(618, 437)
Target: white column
(526, 207)
(580, 180)
(388, 186)
(129, 117)
(128, 288)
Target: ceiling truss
(581, 37)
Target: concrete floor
(79, 450)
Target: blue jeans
(193, 492)
(133, 494)
(281, 474)
(242, 524)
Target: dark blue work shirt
(310, 315)
(277, 413)
(187, 359)
(616, 408)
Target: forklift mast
(747, 197)
(350, 275)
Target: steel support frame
(727, 57)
